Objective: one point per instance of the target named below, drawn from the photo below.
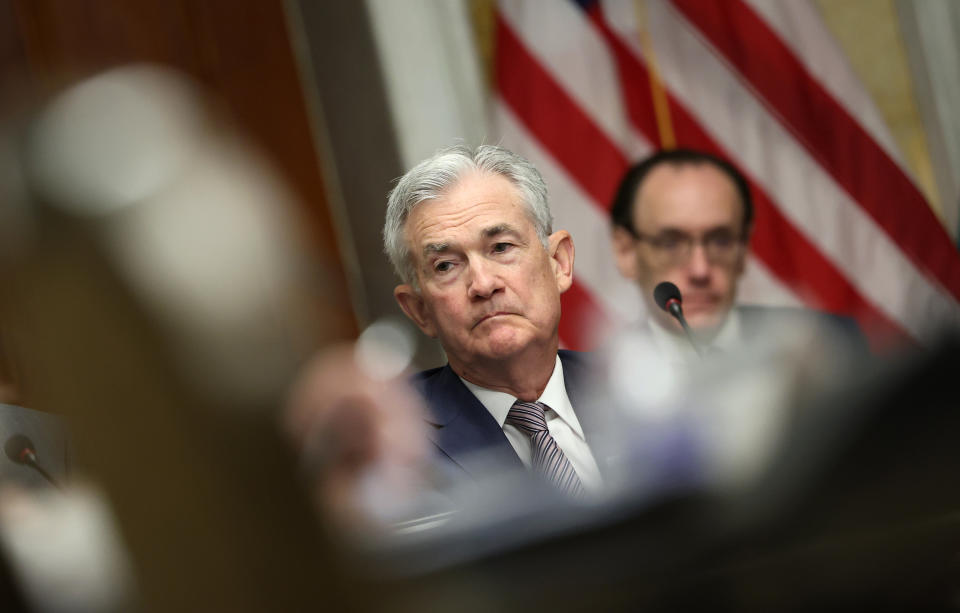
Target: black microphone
(667, 297)
(21, 450)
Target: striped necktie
(548, 459)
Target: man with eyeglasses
(685, 216)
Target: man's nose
(698, 266)
(484, 281)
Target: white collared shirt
(561, 421)
(676, 348)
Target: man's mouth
(489, 316)
(699, 303)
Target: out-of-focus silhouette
(163, 296)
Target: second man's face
(488, 288)
(688, 220)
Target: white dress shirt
(561, 421)
(676, 349)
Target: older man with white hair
(469, 233)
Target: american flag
(584, 89)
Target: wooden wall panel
(240, 50)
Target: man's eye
(443, 266)
(501, 247)
(721, 241)
(669, 242)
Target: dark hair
(622, 210)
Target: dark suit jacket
(460, 426)
(756, 320)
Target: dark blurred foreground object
(163, 298)
(859, 508)
(46, 436)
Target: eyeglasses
(672, 248)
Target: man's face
(488, 289)
(689, 221)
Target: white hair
(435, 176)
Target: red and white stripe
(840, 224)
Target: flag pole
(661, 106)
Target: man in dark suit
(469, 233)
(686, 217)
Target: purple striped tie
(548, 459)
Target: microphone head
(17, 447)
(664, 292)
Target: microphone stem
(677, 312)
(33, 464)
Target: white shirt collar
(729, 338)
(554, 396)
(677, 348)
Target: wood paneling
(240, 50)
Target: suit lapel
(462, 426)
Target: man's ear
(625, 253)
(561, 258)
(415, 308)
